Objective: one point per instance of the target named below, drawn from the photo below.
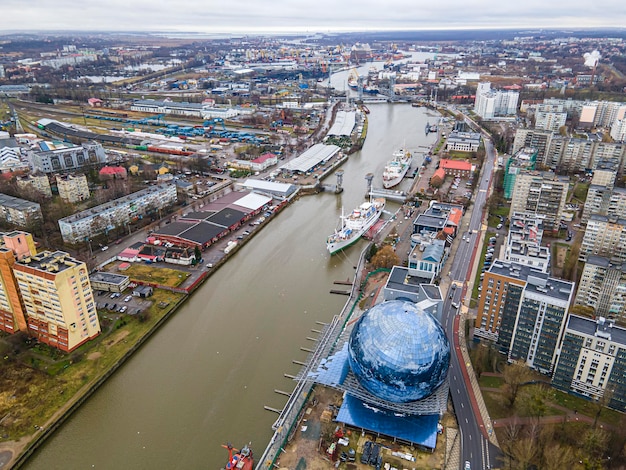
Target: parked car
(128, 298)
(123, 309)
(499, 226)
(367, 450)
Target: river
(202, 380)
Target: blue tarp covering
(421, 430)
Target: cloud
(242, 15)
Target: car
(367, 450)
(499, 226)
(104, 248)
(455, 305)
(123, 309)
(467, 240)
(467, 465)
(114, 307)
(374, 455)
(113, 295)
(128, 298)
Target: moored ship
(396, 168)
(355, 224)
(239, 459)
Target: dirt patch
(94, 355)
(116, 339)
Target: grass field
(162, 276)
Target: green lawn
(489, 381)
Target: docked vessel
(396, 168)
(355, 224)
(239, 459)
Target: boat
(239, 459)
(396, 168)
(355, 224)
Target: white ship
(355, 225)
(396, 168)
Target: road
(475, 446)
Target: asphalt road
(475, 446)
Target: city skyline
(284, 16)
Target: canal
(203, 379)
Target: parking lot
(121, 302)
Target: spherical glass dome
(398, 352)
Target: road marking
(467, 422)
(458, 391)
(462, 405)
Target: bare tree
(558, 457)
(514, 375)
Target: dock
(341, 292)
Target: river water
(202, 380)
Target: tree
(533, 401)
(557, 457)
(197, 253)
(514, 375)
(386, 257)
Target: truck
(229, 247)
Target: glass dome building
(399, 353)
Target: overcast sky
(296, 15)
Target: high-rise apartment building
(533, 138)
(603, 287)
(525, 310)
(490, 103)
(592, 360)
(524, 159)
(13, 246)
(542, 193)
(604, 236)
(523, 244)
(58, 299)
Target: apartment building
(35, 183)
(58, 299)
(524, 310)
(19, 212)
(490, 103)
(524, 159)
(103, 218)
(592, 360)
(549, 117)
(523, 244)
(604, 236)
(72, 188)
(603, 287)
(533, 138)
(13, 246)
(604, 200)
(542, 193)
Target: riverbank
(15, 452)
